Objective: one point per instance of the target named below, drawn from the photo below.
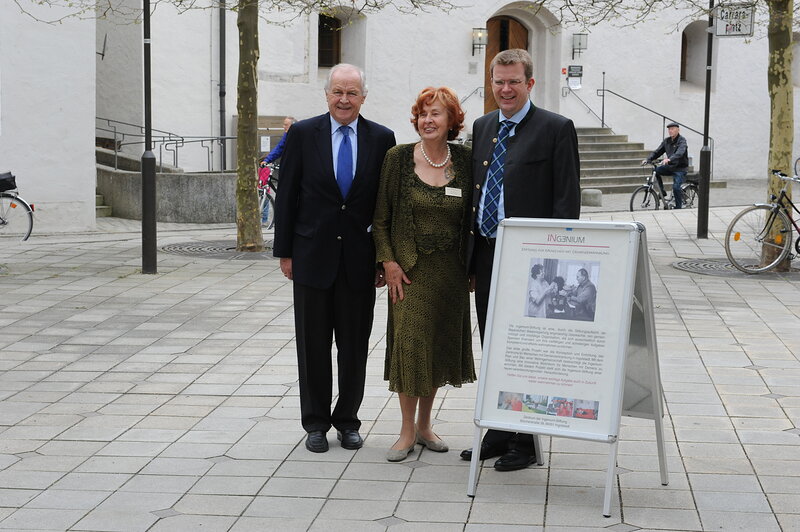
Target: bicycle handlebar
(784, 177)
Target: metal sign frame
(629, 382)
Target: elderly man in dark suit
(329, 180)
(525, 164)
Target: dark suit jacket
(541, 170)
(314, 224)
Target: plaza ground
(168, 402)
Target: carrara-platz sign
(734, 20)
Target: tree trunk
(248, 216)
(779, 81)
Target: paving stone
(504, 513)
(715, 520)
(41, 519)
(433, 512)
(176, 396)
(68, 499)
(663, 519)
(365, 509)
(285, 507)
(116, 521)
(213, 504)
(259, 524)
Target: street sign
(734, 20)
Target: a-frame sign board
(570, 341)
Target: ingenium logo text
(564, 239)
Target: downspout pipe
(222, 113)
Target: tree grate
(723, 267)
(218, 249)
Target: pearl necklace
(435, 165)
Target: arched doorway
(504, 33)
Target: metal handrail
(468, 96)
(115, 128)
(166, 141)
(602, 124)
(664, 119)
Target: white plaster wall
(404, 53)
(643, 64)
(120, 93)
(47, 116)
(185, 78)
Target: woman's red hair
(449, 99)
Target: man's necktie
(494, 181)
(344, 164)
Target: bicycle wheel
(268, 215)
(758, 239)
(689, 193)
(16, 216)
(643, 198)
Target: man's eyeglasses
(510, 82)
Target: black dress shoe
(487, 451)
(317, 441)
(350, 439)
(513, 460)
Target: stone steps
(101, 210)
(612, 164)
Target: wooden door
(504, 33)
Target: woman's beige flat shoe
(398, 455)
(434, 445)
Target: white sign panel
(734, 20)
(557, 329)
(265, 142)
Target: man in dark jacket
(323, 235)
(676, 163)
(525, 164)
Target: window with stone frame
(329, 46)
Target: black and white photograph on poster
(562, 289)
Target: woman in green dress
(420, 229)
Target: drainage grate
(722, 267)
(218, 249)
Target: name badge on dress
(452, 191)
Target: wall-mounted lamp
(479, 39)
(580, 42)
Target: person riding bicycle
(676, 163)
(271, 157)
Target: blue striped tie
(494, 181)
(344, 163)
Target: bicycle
(267, 188)
(648, 196)
(16, 214)
(760, 237)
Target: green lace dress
(424, 229)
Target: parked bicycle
(760, 237)
(649, 197)
(16, 214)
(267, 188)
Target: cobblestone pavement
(168, 402)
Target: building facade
(659, 65)
(47, 106)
